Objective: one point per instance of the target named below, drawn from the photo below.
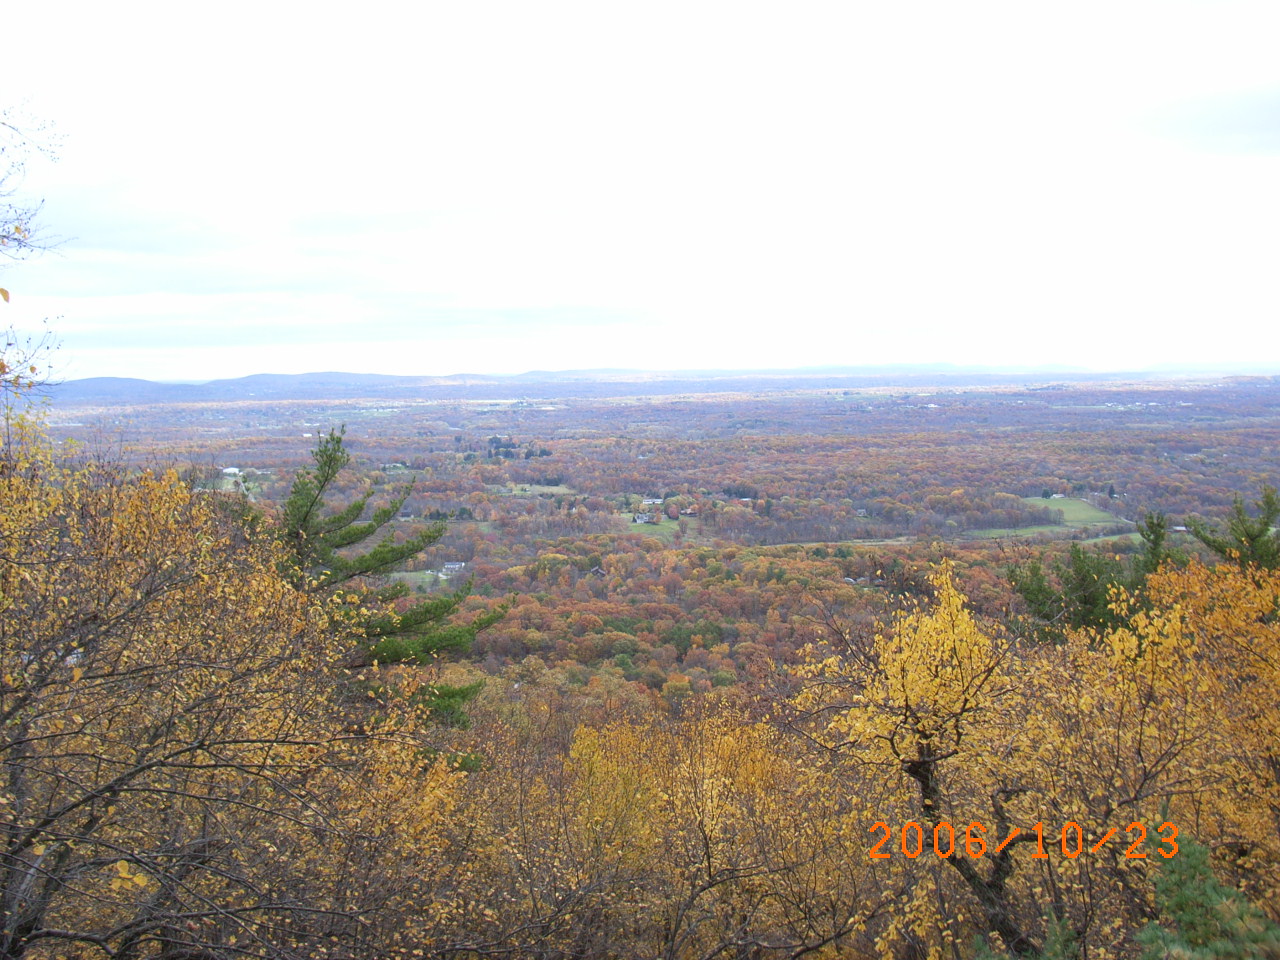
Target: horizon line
(1048, 370)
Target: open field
(665, 530)
(428, 580)
(1076, 515)
(1115, 538)
(1074, 512)
(995, 533)
(418, 579)
(534, 490)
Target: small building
(643, 518)
(452, 568)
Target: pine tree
(1080, 592)
(1247, 540)
(1201, 919)
(325, 546)
(1080, 598)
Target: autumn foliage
(189, 770)
(1170, 718)
(183, 771)
(677, 751)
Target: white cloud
(475, 186)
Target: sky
(497, 187)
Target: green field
(1076, 515)
(1074, 511)
(1115, 538)
(532, 490)
(418, 579)
(665, 530)
(425, 581)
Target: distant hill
(544, 384)
(275, 386)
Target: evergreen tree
(1088, 580)
(1080, 590)
(1247, 540)
(1044, 602)
(1153, 528)
(326, 546)
(1078, 595)
(316, 535)
(1201, 919)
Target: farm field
(664, 529)
(1078, 516)
(1077, 512)
(534, 490)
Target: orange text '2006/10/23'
(972, 840)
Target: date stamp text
(972, 840)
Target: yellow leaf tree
(1062, 772)
(179, 774)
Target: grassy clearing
(532, 490)
(250, 485)
(665, 530)
(1076, 515)
(994, 533)
(1115, 538)
(418, 579)
(1074, 512)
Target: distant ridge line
(565, 383)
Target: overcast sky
(497, 187)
